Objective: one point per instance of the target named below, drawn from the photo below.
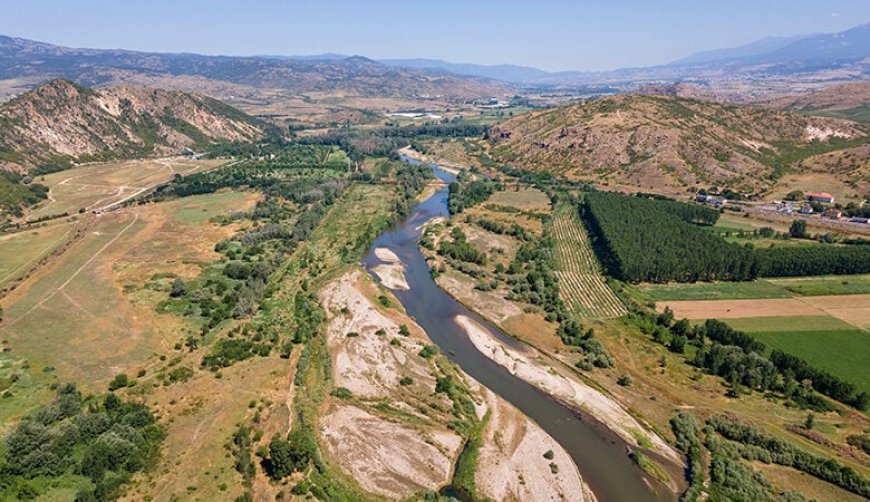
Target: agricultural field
(710, 291)
(824, 341)
(581, 283)
(825, 285)
(758, 289)
(94, 186)
(841, 352)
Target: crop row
(581, 283)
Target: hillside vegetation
(59, 121)
(665, 142)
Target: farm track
(581, 283)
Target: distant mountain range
(775, 55)
(327, 76)
(817, 58)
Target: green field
(826, 285)
(789, 324)
(712, 291)
(758, 289)
(841, 352)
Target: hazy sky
(549, 34)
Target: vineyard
(581, 284)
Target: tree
(120, 380)
(179, 288)
(798, 229)
(281, 456)
(810, 421)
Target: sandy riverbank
(528, 366)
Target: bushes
(685, 429)
(464, 194)
(755, 445)
(106, 442)
(460, 249)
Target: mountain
(666, 143)
(756, 48)
(61, 121)
(353, 76)
(503, 72)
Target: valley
(341, 278)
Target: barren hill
(61, 121)
(665, 142)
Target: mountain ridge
(667, 143)
(356, 75)
(61, 122)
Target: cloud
(835, 14)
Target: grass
(826, 285)
(841, 352)
(96, 185)
(712, 291)
(527, 199)
(23, 249)
(758, 289)
(784, 324)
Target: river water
(600, 454)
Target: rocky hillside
(59, 122)
(850, 101)
(668, 143)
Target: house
(859, 219)
(832, 214)
(709, 199)
(806, 209)
(822, 197)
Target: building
(859, 219)
(822, 197)
(711, 200)
(806, 209)
(832, 214)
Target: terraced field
(581, 283)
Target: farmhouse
(832, 214)
(823, 197)
(806, 209)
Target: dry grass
(524, 199)
(96, 185)
(74, 315)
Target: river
(600, 454)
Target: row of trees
(645, 240)
(384, 141)
(784, 261)
(755, 445)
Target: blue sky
(549, 34)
